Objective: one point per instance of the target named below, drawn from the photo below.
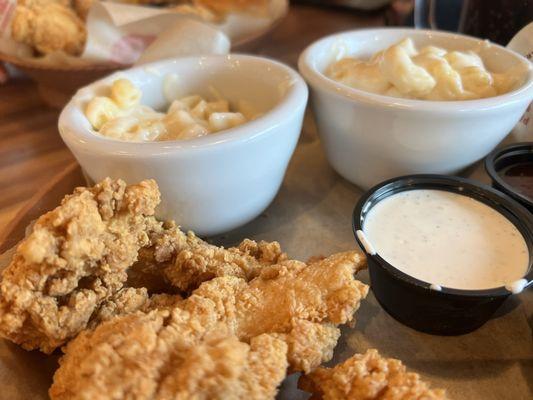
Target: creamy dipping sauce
(447, 239)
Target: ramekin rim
(490, 168)
(318, 80)
(295, 98)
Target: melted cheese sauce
(447, 239)
(431, 73)
(121, 116)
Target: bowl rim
(72, 131)
(498, 154)
(522, 220)
(319, 81)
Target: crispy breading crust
(48, 26)
(222, 7)
(368, 376)
(69, 269)
(228, 369)
(125, 301)
(285, 301)
(185, 261)
(159, 355)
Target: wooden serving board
(312, 215)
(48, 197)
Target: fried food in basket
(48, 26)
(226, 6)
(368, 376)
(82, 7)
(288, 315)
(210, 10)
(74, 264)
(218, 6)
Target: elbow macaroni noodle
(121, 116)
(432, 73)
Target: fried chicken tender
(228, 369)
(292, 298)
(158, 356)
(287, 314)
(71, 268)
(301, 303)
(310, 344)
(185, 261)
(48, 26)
(366, 377)
(125, 301)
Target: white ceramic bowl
(217, 182)
(369, 137)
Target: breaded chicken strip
(71, 268)
(368, 377)
(144, 355)
(125, 301)
(48, 26)
(168, 355)
(301, 303)
(228, 369)
(185, 261)
(208, 9)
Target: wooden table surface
(32, 153)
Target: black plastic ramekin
(411, 301)
(508, 156)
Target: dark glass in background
(495, 20)
(362, 5)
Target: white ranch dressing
(447, 239)
(516, 286)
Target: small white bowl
(369, 137)
(214, 183)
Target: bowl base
(440, 330)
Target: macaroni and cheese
(431, 73)
(121, 116)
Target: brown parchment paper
(310, 216)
